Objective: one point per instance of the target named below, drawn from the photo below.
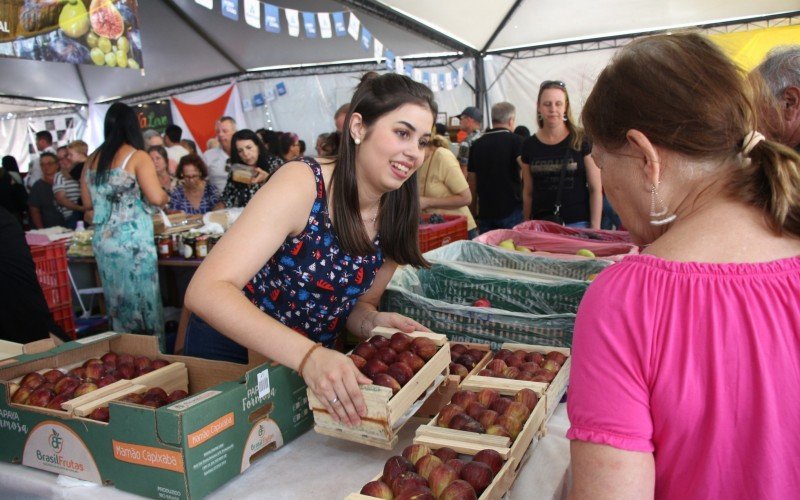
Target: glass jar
(177, 245)
(163, 246)
(188, 247)
(201, 247)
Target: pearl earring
(357, 141)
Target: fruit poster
(96, 32)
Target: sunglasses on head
(549, 83)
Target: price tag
(263, 383)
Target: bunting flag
(353, 27)
(230, 9)
(208, 4)
(310, 24)
(293, 21)
(272, 18)
(338, 23)
(324, 24)
(252, 13)
(366, 38)
(378, 50)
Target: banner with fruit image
(98, 32)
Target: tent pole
(481, 101)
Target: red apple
(133, 397)
(512, 425)
(387, 355)
(544, 376)
(55, 403)
(529, 366)
(527, 397)
(156, 391)
(414, 452)
(498, 430)
(447, 413)
(467, 361)
(41, 397)
(487, 373)
(365, 350)
(21, 395)
(66, 384)
(518, 410)
(85, 388)
(32, 380)
(95, 371)
(142, 362)
(475, 410)
(551, 365)
(92, 361)
(377, 489)
(457, 350)
(107, 380)
(497, 365)
(400, 341)
(514, 361)
(446, 453)
(176, 395)
(53, 376)
(126, 371)
(488, 418)
(463, 422)
(100, 414)
(153, 400)
(400, 372)
(456, 464)
(143, 371)
(478, 475)
(374, 367)
(357, 360)
(556, 356)
(424, 347)
(458, 490)
(534, 357)
(394, 467)
(110, 358)
(386, 380)
(379, 341)
(125, 358)
(459, 370)
(482, 303)
(500, 405)
(440, 478)
(488, 396)
(476, 354)
(426, 464)
(416, 493)
(411, 359)
(511, 372)
(406, 481)
(160, 363)
(491, 458)
(526, 376)
(502, 354)
(463, 398)
(78, 371)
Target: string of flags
(261, 15)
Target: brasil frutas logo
(56, 441)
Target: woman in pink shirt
(686, 359)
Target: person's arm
(278, 210)
(452, 178)
(527, 189)
(458, 200)
(64, 201)
(601, 472)
(365, 315)
(147, 177)
(36, 217)
(86, 196)
(595, 192)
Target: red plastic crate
(432, 236)
(51, 271)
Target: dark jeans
(504, 223)
(472, 234)
(579, 225)
(610, 218)
(203, 341)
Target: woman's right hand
(334, 379)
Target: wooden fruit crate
(386, 414)
(445, 391)
(471, 442)
(500, 484)
(553, 391)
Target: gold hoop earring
(658, 210)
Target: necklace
(375, 215)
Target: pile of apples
(423, 474)
(155, 398)
(487, 412)
(54, 387)
(525, 365)
(392, 362)
(464, 359)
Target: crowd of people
(699, 160)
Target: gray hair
(781, 69)
(502, 112)
(149, 133)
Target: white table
(313, 466)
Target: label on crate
(263, 383)
(148, 456)
(189, 402)
(202, 435)
(95, 338)
(263, 434)
(54, 447)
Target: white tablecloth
(313, 466)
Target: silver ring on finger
(334, 400)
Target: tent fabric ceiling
(184, 43)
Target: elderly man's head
(780, 72)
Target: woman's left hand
(261, 176)
(402, 323)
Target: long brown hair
(685, 95)
(575, 132)
(398, 217)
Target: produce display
(392, 362)
(421, 473)
(488, 412)
(464, 359)
(56, 386)
(524, 365)
(155, 397)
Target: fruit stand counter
(315, 466)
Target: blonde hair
(79, 146)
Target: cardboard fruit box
(553, 391)
(234, 414)
(387, 413)
(463, 441)
(499, 486)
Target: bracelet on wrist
(305, 358)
